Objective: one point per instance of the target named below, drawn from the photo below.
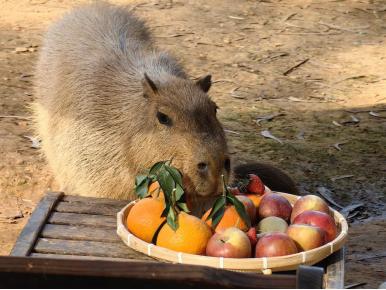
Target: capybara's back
(109, 105)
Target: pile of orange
(145, 221)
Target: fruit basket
(265, 265)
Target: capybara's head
(181, 124)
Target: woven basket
(265, 265)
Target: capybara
(109, 104)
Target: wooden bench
(71, 241)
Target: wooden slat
(77, 257)
(81, 207)
(334, 277)
(95, 200)
(134, 274)
(87, 248)
(76, 219)
(81, 233)
(29, 234)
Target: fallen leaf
(350, 208)
(327, 194)
(354, 120)
(337, 145)
(337, 124)
(35, 142)
(335, 178)
(267, 118)
(267, 134)
(21, 49)
(376, 115)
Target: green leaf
(240, 208)
(217, 217)
(183, 206)
(172, 219)
(166, 182)
(218, 204)
(142, 189)
(179, 192)
(156, 167)
(175, 173)
(139, 179)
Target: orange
(144, 218)
(191, 237)
(230, 219)
(255, 199)
(156, 191)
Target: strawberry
(235, 190)
(255, 185)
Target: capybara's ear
(204, 83)
(149, 87)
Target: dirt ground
(320, 66)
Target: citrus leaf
(240, 208)
(175, 173)
(166, 182)
(218, 204)
(142, 189)
(156, 167)
(217, 217)
(183, 206)
(172, 220)
(139, 179)
(179, 192)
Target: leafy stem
(222, 202)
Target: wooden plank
(87, 248)
(133, 274)
(95, 200)
(334, 277)
(81, 233)
(29, 234)
(309, 277)
(81, 207)
(77, 257)
(63, 218)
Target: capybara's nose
(227, 165)
(202, 167)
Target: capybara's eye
(164, 119)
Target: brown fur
(97, 114)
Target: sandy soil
(249, 47)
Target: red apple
(249, 206)
(231, 243)
(275, 205)
(306, 237)
(320, 220)
(255, 185)
(275, 244)
(252, 235)
(309, 202)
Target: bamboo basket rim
(266, 264)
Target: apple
(255, 185)
(309, 202)
(231, 243)
(320, 220)
(275, 205)
(252, 235)
(275, 244)
(272, 224)
(267, 190)
(306, 237)
(249, 206)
